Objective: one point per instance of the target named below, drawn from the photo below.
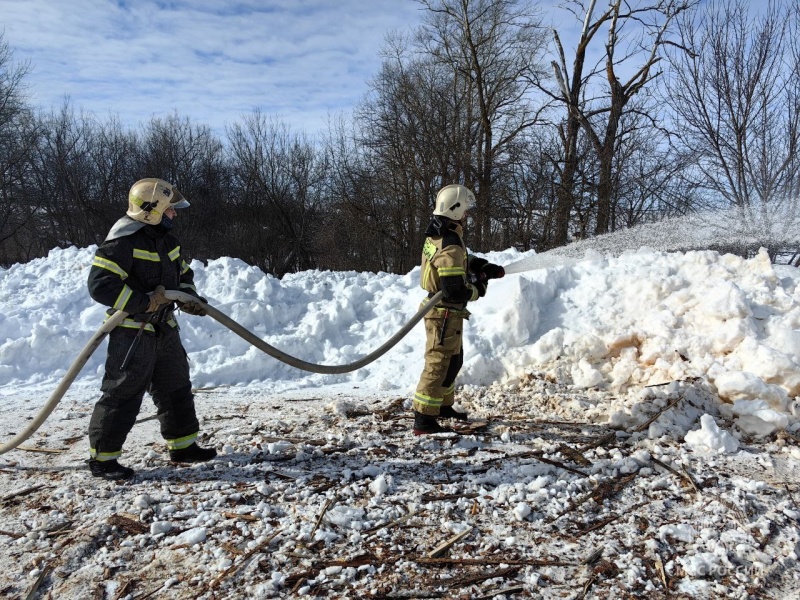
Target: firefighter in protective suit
(138, 261)
(446, 267)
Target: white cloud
(300, 61)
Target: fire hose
(225, 320)
(174, 295)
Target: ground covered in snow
(643, 437)
(564, 494)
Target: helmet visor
(177, 200)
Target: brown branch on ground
(44, 450)
(43, 574)
(444, 546)
(325, 508)
(647, 423)
(531, 562)
(603, 490)
(22, 492)
(468, 580)
(237, 565)
(514, 589)
(131, 526)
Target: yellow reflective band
(108, 265)
(426, 277)
(451, 271)
(145, 255)
(123, 298)
(184, 442)
(427, 400)
(131, 324)
(175, 253)
(188, 286)
(104, 456)
(450, 390)
(184, 267)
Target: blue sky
(211, 60)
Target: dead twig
(22, 492)
(647, 423)
(43, 450)
(690, 479)
(46, 569)
(150, 593)
(132, 526)
(514, 589)
(593, 557)
(145, 419)
(468, 580)
(531, 562)
(397, 521)
(662, 573)
(445, 497)
(444, 546)
(598, 525)
(126, 589)
(243, 517)
(602, 491)
(587, 586)
(665, 466)
(537, 455)
(236, 566)
(325, 508)
(11, 534)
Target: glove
(492, 271)
(475, 264)
(157, 299)
(194, 308)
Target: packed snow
(643, 435)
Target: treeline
(661, 108)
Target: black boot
(192, 454)
(425, 424)
(448, 412)
(109, 469)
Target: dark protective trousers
(444, 356)
(159, 366)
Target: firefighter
(446, 267)
(138, 261)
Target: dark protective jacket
(444, 264)
(125, 269)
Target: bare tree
(492, 49)
(597, 98)
(62, 176)
(18, 139)
(276, 188)
(191, 157)
(736, 101)
(412, 138)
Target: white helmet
(453, 201)
(149, 198)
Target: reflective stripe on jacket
(125, 269)
(444, 267)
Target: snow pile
(639, 319)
